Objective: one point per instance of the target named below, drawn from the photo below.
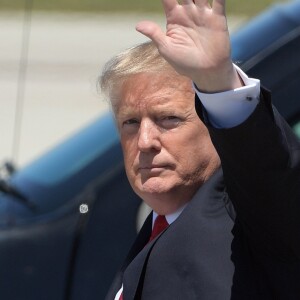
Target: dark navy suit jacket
(239, 237)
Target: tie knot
(160, 224)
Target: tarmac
(59, 93)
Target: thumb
(152, 31)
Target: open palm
(196, 40)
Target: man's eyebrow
(124, 112)
(166, 110)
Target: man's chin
(155, 186)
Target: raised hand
(196, 42)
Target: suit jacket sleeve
(261, 164)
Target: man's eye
(170, 121)
(130, 122)
(171, 118)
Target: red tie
(160, 224)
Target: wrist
(218, 80)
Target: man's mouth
(153, 168)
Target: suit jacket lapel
(139, 244)
(134, 274)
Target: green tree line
(241, 7)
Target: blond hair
(143, 58)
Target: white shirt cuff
(231, 108)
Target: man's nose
(149, 137)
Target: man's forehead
(153, 90)
(153, 103)
(155, 96)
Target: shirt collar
(170, 217)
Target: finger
(201, 2)
(218, 7)
(169, 5)
(152, 31)
(183, 2)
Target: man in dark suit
(221, 173)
